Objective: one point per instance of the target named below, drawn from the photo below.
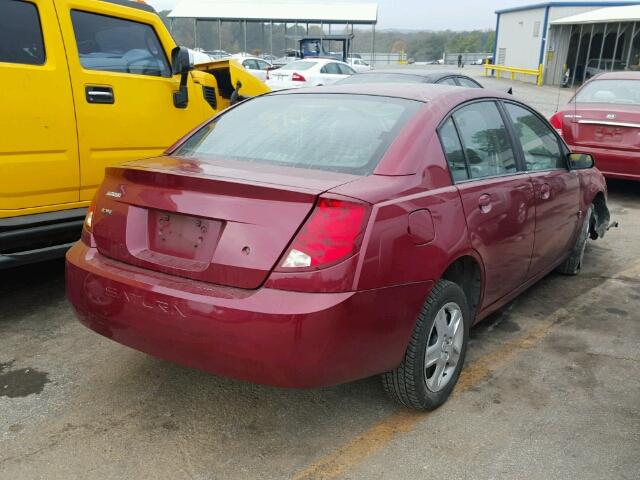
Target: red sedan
(603, 119)
(313, 237)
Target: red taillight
(296, 77)
(556, 121)
(333, 233)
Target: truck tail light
(332, 234)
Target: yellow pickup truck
(85, 84)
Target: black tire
(573, 263)
(407, 384)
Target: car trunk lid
(603, 126)
(226, 223)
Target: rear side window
(447, 81)
(485, 140)
(466, 82)
(117, 45)
(345, 70)
(453, 151)
(331, 68)
(342, 133)
(540, 145)
(20, 33)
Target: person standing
(460, 61)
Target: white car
(309, 72)
(256, 66)
(359, 65)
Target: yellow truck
(85, 84)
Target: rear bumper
(269, 336)
(618, 164)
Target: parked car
(359, 65)
(595, 66)
(309, 72)
(412, 76)
(218, 54)
(313, 237)
(258, 67)
(603, 119)
(87, 84)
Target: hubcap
(444, 347)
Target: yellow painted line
(382, 433)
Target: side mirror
(181, 65)
(581, 161)
(180, 61)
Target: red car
(313, 237)
(603, 119)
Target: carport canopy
(629, 13)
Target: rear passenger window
(20, 33)
(485, 140)
(465, 82)
(453, 151)
(448, 81)
(331, 68)
(116, 45)
(540, 145)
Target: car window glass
(298, 65)
(453, 151)
(466, 82)
(540, 145)
(251, 64)
(262, 65)
(354, 131)
(345, 69)
(331, 68)
(448, 81)
(20, 33)
(485, 140)
(117, 45)
(620, 92)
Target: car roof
(422, 92)
(617, 76)
(429, 75)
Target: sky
(423, 14)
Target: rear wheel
(573, 263)
(435, 355)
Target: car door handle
(545, 191)
(484, 202)
(96, 94)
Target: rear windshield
(621, 92)
(298, 66)
(382, 78)
(335, 132)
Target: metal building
(272, 26)
(581, 38)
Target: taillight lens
(333, 233)
(556, 121)
(296, 77)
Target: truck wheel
(573, 263)
(436, 351)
